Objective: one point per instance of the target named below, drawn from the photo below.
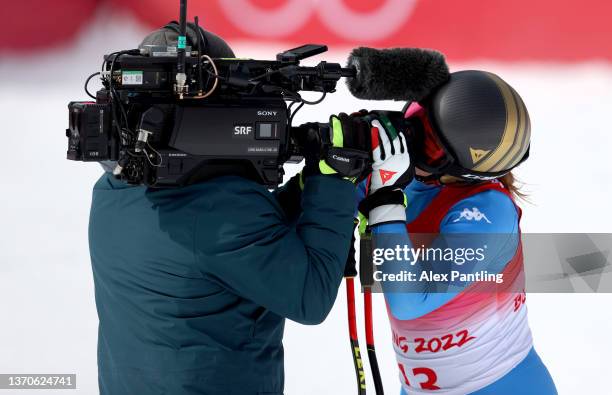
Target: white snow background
(48, 322)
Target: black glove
(340, 148)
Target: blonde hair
(514, 187)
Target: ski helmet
(480, 126)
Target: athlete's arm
(496, 228)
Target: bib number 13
(428, 377)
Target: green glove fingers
(388, 125)
(337, 132)
(337, 139)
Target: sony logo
(341, 158)
(264, 113)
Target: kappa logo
(386, 175)
(478, 154)
(473, 214)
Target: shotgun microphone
(404, 74)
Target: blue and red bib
(458, 343)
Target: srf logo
(243, 130)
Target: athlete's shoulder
(490, 211)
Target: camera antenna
(200, 45)
(181, 78)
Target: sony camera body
(171, 116)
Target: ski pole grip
(366, 267)
(350, 268)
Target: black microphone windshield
(407, 74)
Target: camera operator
(193, 284)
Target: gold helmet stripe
(523, 136)
(506, 162)
(510, 131)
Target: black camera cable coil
(299, 99)
(87, 83)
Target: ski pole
(369, 329)
(350, 272)
(366, 278)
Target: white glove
(391, 158)
(391, 172)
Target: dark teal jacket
(193, 284)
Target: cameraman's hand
(342, 149)
(391, 171)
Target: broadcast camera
(171, 116)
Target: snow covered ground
(49, 322)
